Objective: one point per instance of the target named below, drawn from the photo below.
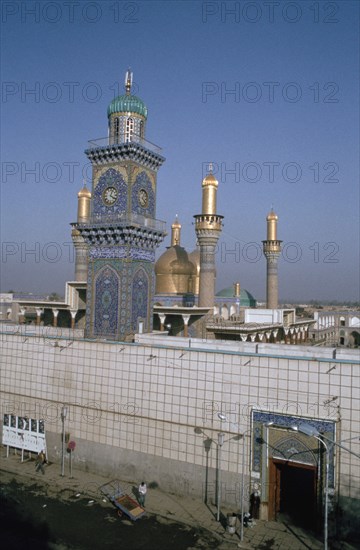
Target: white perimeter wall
(133, 408)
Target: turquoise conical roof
(127, 104)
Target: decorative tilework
(143, 182)
(122, 239)
(139, 254)
(122, 252)
(134, 231)
(140, 297)
(291, 448)
(133, 284)
(97, 252)
(114, 179)
(106, 302)
(145, 155)
(287, 421)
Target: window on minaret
(141, 127)
(129, 129)
(116, 130)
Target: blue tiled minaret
(122, 232)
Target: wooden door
(292, 490)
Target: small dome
(127, 104)
(210, 179)
(84, 192)
(272, 216)
(246, 299)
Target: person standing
(40, 461)
(142, 493)
(255, 504)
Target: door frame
(275, 483)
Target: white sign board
(24, 433)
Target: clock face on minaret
(122, 233)
(110, 190)
(110, 195)
(143, 198)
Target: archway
(224, 312)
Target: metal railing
(110, 141)
(125, 218)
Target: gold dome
(194, 258)
(174, 271)
(174, 261)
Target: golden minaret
(81, 248)
(272, 249)
(208, 226)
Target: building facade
(333, 327)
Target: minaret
(122, 231)
(81, 248)
(208, 226)
(272, 249)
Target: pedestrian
(255, 504)
(40, 461)
(142, 490)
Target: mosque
(149, 373)
(119, 289)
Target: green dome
(246, 299)
(127, 104)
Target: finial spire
(210, 167)
(175, 232)
(128, 81)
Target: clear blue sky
(268, 93)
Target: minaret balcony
(124, 219)
(272, 247)
(110, 149)
(133, 231)
(208, 222)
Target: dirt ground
(35, 515)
